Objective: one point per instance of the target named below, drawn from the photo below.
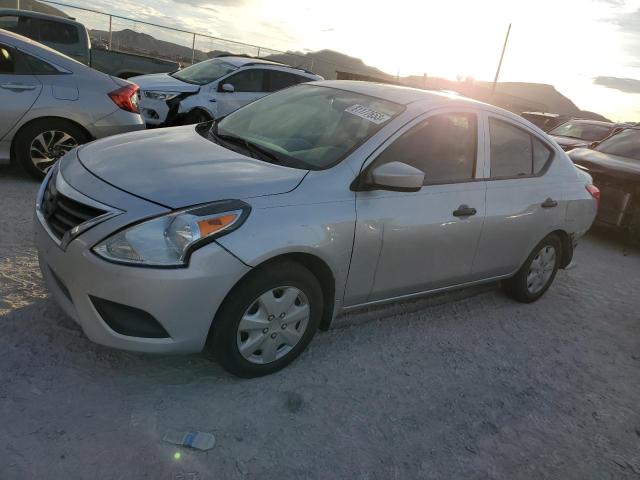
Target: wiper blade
(256, 150)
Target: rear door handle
(549, 203)
(464, 211)
(18, 87)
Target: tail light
(126, 97)
(595, 193)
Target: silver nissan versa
(249, 234)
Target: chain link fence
(131, 35)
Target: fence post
(193, 50)
(110, 31)
(258, 52)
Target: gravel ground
(477, 387)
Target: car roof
(29, 13)
(240, 61)
(394, 93)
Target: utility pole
(504, 47)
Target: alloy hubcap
(541, 269)
(49, 146)
(273, 324)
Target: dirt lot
(478, 387)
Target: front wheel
(267, 320)
(537, 273)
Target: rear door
(19, 89)
(409, 242)
(525, 201)
(249, 85)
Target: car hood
(163, 82)
(570, 142)
(595, 162)
(176, 168)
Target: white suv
(212, 89)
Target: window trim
(512, 123)
(359, 183)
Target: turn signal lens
(212, 225)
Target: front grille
(62, 213)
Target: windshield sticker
(368, 114)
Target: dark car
(615, 167)
(545, 121)
(582, 133)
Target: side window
(514, 152)
(40, 67)
(443, 147)
(58, 32)
(251, 80)
(280, 80)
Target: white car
(212, 89)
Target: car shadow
(617, 239)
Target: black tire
(195, 116)
(224, 337)
(27, 135)
(518, 287)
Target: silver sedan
(50, 103)
(249, 234)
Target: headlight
(158, 95)
(168, 241)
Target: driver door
(410, 242)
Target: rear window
(57, 32)
(16, 24)
(624, 144)
(582, 131)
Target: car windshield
(306, 126)
(624, 144)
(582, 131)
(204, 72)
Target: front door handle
(549, 203)
(464, 211)
(18, 87)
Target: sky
(588, 49)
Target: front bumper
(183, 301)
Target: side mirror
(227, 87)
(396, 176)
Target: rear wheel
(41, 143)
(537, 273)
(267, 320)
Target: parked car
(249, 233)
(545, 121)
(581, 133)
(615, 167)
(51, 103)
(212, 88)
(72, 38)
